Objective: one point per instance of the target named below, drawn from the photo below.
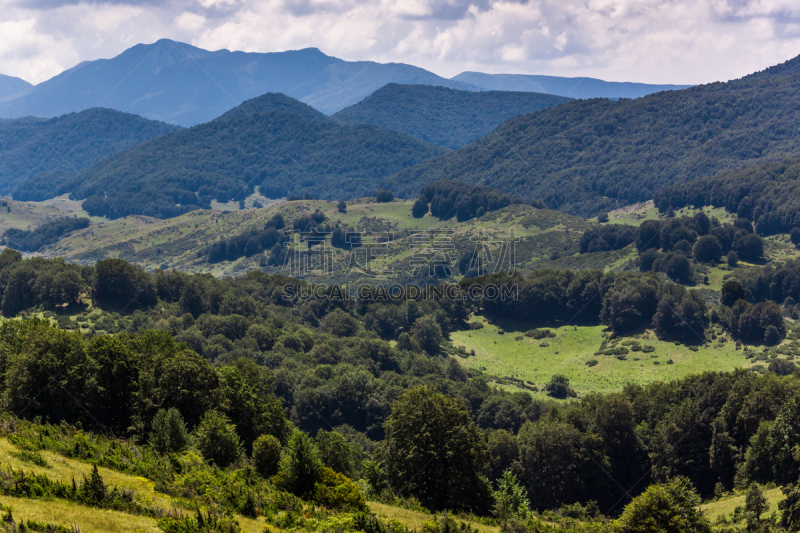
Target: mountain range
(586, 156)
(36, 146)
(181, 84)
(570, 87)
(272, 142)
(442, 116)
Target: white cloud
(658, 41)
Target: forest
(273, 142)
(589, 156)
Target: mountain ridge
(185, 85)
(442, 116)
(578, 87)
(10, 85)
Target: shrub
(337, 491)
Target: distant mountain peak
(10, 85)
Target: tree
(420, 208)
(428, 334)
(558, 387)
(384, 196)
(732, 292)
(217, 440)
(300, 466)
(602, 217)
(790, 507)
(751, 248)
(755, 504)
(434, 451)
(334, 451)
(169, 433)
(648, 235)
(672, 506)
(679, 269)
(771, 336)
(794, 235)
(732, 259)
(119, 284)
(342, 206)
(266, 455)
(510, 498)
(707, 249)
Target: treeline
(766, 193)
(47, 233)
(448, 198)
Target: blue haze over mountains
(184, 85)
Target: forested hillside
(273, 142)
(203, 376)
(766, 192)
(33, 146)
(591, 155)
(442, 116)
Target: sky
(652, 41)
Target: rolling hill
(181, 84)
(32, 146)
(442, 116)
(10, 85)
(591, 155)
(272, 142)
(571, 87)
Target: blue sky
(654, 41)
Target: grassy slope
(26, 215)
(725, 506)
(68, 513)
(527, 360)
(176, 242)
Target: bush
(217, 440)
(266, 455)
(337, 491)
